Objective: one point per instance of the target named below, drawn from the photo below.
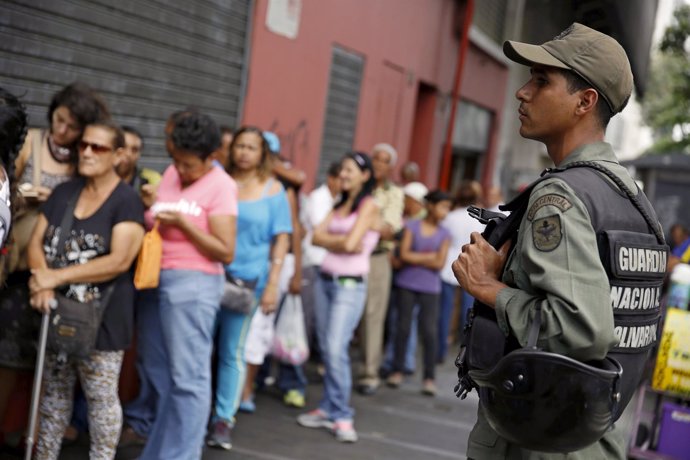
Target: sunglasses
(95, 148)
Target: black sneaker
(220, 435)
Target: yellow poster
(672, 371)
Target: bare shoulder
(276, 187)
(369, 207)
(25, 151)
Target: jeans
(188, 306)
(392, 326)
(291, 377)
(428, 322)
(141, 413)
(309, 278)
(232, 366)
(339, 308)
(448, 292)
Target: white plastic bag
(290, 340)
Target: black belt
(378, 251)
(329, 277)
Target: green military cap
(594, 56)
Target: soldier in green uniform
(579, 80)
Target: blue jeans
(291, 377)
(188, 306)
(232, 368)
(141, 413)
(392, 326)
(339, 307)
(447, 306)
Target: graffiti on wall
(294, 141)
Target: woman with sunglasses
(93, 263)
(347, 233)
(49, 157)
(46, 159)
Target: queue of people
(232, 220)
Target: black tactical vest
(633, 252)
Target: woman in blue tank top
(263, 228)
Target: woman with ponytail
(347, 233)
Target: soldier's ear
(587, 101)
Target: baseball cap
(416, 190)
(272, 141)
(594, 56)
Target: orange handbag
(148, 269)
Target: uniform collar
(598, 151)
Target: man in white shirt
(460, 225)
(318, 204)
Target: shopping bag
(148, 269)
(290, 340)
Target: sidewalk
(393, 424)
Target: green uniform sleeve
(556, 264)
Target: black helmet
(549, 402)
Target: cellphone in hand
(27, 190)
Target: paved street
(393, 424)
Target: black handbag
(238, 295)
(73, 327)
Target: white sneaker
(344, 431)
(315, 419)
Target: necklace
(59, 153)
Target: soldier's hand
(478, 267)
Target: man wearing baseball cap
(552, 274)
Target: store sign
(283, 17)
(672, 371)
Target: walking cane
(38, 377)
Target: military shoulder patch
(551, 199)
(546, 233)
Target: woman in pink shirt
(196, 207)
(347, 234)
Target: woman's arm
(124, 247)
(36, 258)
(218, 244)
(24, 153)
(321, 237)
(294, 176)
(295, 286)
(432, 260)
(279, 248)
(351, 242)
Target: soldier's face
(547, 109)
